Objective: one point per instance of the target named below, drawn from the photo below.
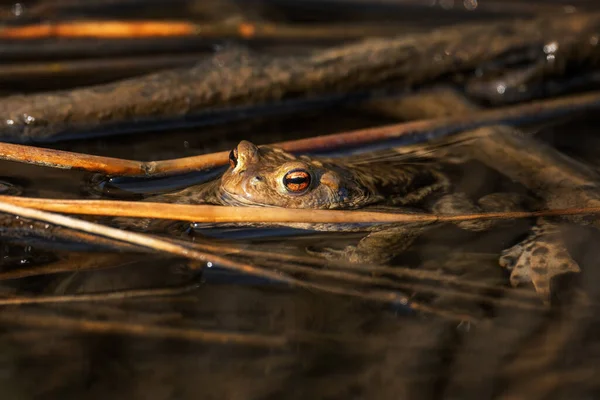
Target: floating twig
(106, 296)
(202, 213)
(422, 130)
(12, 72)
(98, 29)
(72, 263)
(347, 276)
(369, 270)
(127, 29)
(39, 320)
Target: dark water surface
(293, 343)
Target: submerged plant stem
(38, 320)
(116, 295)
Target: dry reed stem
(549, 381)
(113, 166)
(72, 263)
(37, 320)
(123, 311)
(414, 287)
(98, 29)
(226, 248)
(160, 245)
(358, 269)
(24, 318)
(116, 29)
(226, 214)
(83, 262)
(107, 296)
(27, 70)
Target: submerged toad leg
(459, 203)
(539, 258)
(380, 246)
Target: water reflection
(242, 337)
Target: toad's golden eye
(233, 158)
(296, 181)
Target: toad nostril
(233, 158)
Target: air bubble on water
(209, 264)
(501, 88)
(10, 122)
(28, 119)
(17, 9)
(551, 48)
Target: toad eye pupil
(232, 159)
(296, 181)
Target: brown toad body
(265, 176)
(270, 177)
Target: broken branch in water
(223, 214)
(416, 130)
(241, 78)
